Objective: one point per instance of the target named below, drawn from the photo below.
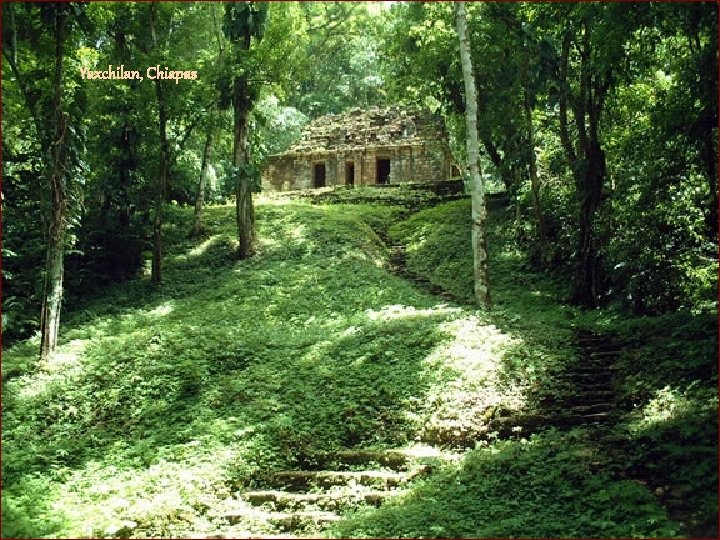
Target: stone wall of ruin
(408, 163)
(415, 143)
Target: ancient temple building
(363, 147)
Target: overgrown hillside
(165, 404)
(331, 357)
(666, 382)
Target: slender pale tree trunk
(200, 199)
(479, 210)
(161, 186)
(52, 297)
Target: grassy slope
(164, 401)
(668, 373)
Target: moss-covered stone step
(281, 536)
(589, 376)
(591, 408)
(288, 521)
(235, 533)
(533, 423)
(393, 459)
(587, 397)
(590, 336)
(596, 354)
(283, 500)
(581, 384)
(301, 480)
(401, 459)
(589, 343)
(596, 386)
(591, 366)
(569, 420)
(598, 346)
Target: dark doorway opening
(383, 171)
(350, 173)
(319, 175)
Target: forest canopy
(599, 121)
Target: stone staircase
(302, 503)
(583, 395)
(591, 396)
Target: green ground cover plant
(667, 371)
(164, 401)
(542, 487)
(241, 303)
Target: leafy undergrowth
(438, 249)
(670, 379)
(542, 487)
(526, 304)
(667, 378)
(162, 402)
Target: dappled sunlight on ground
(670, 404)
(544, 484)
(269, 361)
(201, 248)
(400, 312)
(165, 400)
(471, 381)
(102, 499)
(163, 309)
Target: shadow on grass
(664, 355)
(256, 365)
(527, 306)
(543, 488)
(274, 360)
(677, 454)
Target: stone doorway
(383, 171)
(319, 175)
(349, 173)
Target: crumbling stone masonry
(376, 146)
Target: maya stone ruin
(389, 145)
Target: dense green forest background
(132, 247)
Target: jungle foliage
(190, 327)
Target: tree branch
(583, 102)
(564, 91)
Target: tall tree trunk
(588, 287)
(709, 156)
(587, 163)
(244, 211)
(532, 164)
(161, 183)
(518, 218)
(535, 185)
(127, 141)
(161, 186)
(479, 210)
(52, 297)
(200, 199)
